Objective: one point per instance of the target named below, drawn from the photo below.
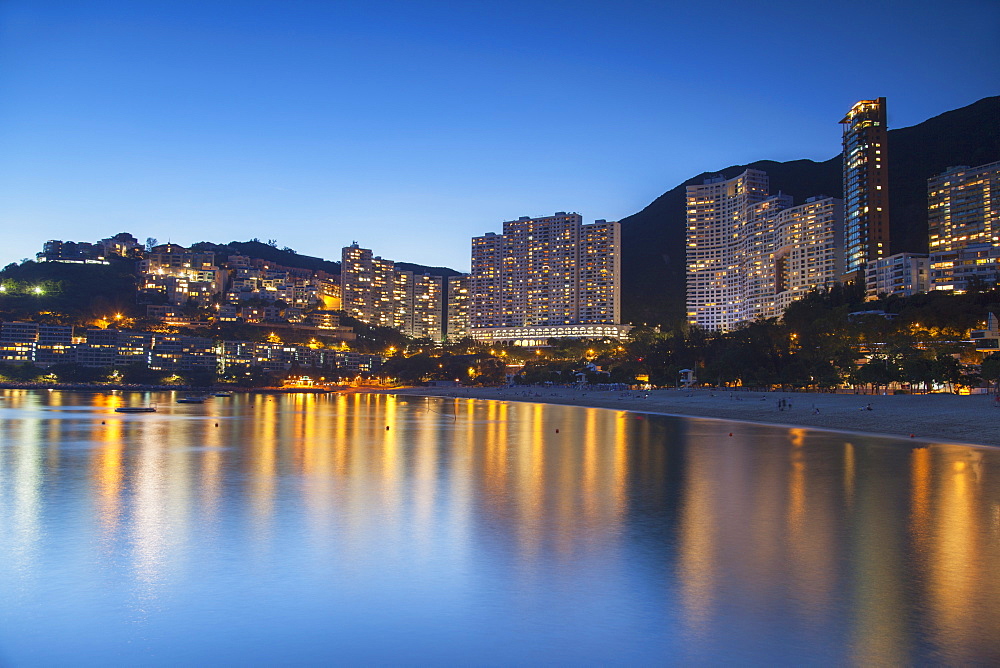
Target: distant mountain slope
(653, 239)
(967, 136)
(257, 249)
(421, 269)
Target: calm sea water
(298, 530)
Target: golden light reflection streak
(796, 482)
(304, 451)
(575, 521)
(811, 541)
(340, 445)
(590, 463)
(211, 468)
(107, 480)
(358, 474)
(478, 456)
(464, 480)
(795, 519)
(850, 471)
(620, 466)
(424, 455)
(264, 463)
(318, 446)
(531, 482)
(920, 501)
(880, 633)
(697, 550)
(604, 474)
(350, 462)
(391, 463)
(55, 437)
(501, 477)
(495, 455)
(957, 566)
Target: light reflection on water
(298, 529)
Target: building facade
(457, 307)
(377, 292)
(183, 275)
(965, 268)
(801, 252)
(749, 255)
(963, 225)
(76, 252)
(988, 340)
(963, 207)
(424, 309)
(902, 274)
(256, 279)
(36, 343)
(546, 277)
(866, 186)
(717, 213)
(366, 286)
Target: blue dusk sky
(413, 126)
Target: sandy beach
(936, 418)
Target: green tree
(947, 370)
(917, 370)
(990, 371)
(876, 372)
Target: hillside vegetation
(63, 293)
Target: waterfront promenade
(948, 418)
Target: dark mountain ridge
(653, 240)
(287, 257)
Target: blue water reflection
(298, 529)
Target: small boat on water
(223, 394)
(192, 399)
(136, 409)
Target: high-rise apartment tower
(749, 255)
(963, 221)
(457, 307)
(866, 187)
(367, 286)
(547, 277)
(716, 218)
(963, 207)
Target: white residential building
(749, 254)
(902, 274)
(547, 277)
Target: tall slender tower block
(716, 229)
(866, 187)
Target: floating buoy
(557, 431)
(730, 433)
(387, 427)
(216, 424)
(102, 421)
(911, 435)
